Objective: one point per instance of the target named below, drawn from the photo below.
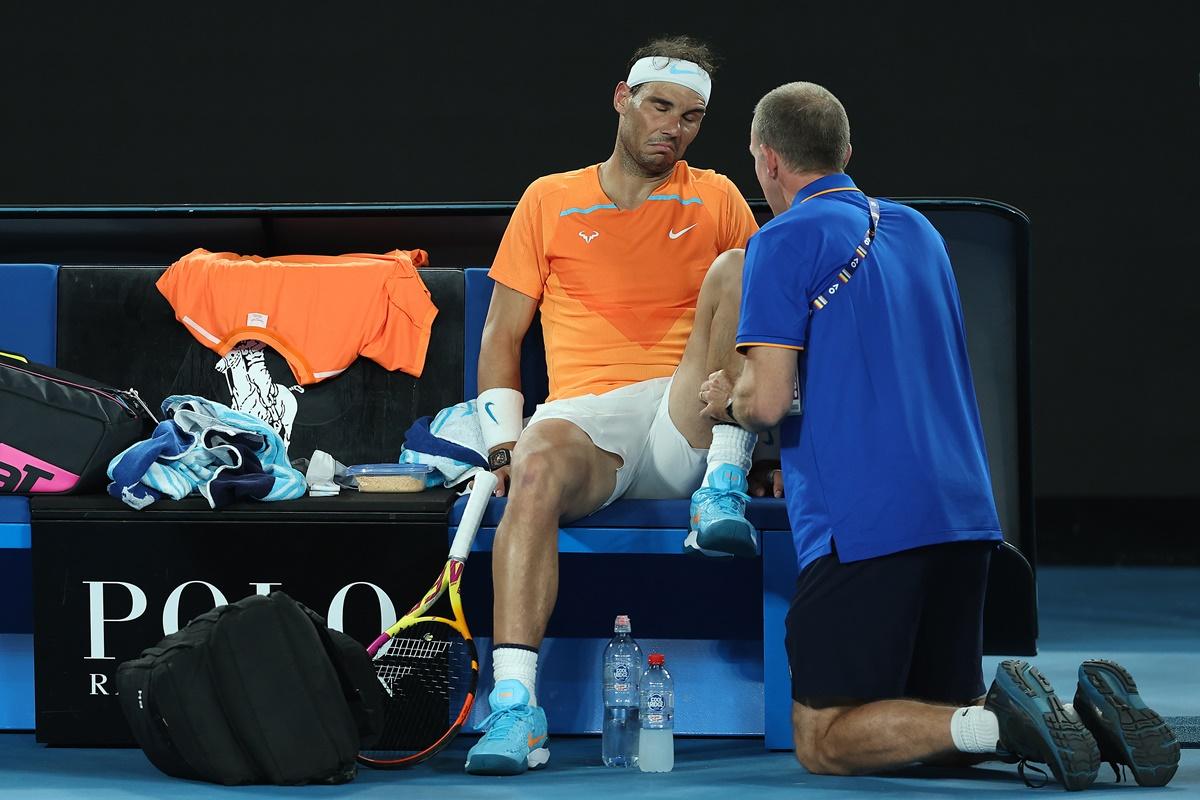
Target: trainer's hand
(765, 479)
(714, 394)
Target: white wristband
(501, 416)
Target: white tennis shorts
(634, 422)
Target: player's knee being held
(726, 271)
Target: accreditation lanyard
(844, 275)
(860, 253)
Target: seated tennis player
(638, 306)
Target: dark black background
(1085, 120)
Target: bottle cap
(656, 659)
(621, 623)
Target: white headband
(671, 70)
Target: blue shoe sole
(495, 765)
(691, 548)
(1127, 731)
(1035, 726)
(734, 536)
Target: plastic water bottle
(656, 745)
(622, 670)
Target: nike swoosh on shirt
(673, 234)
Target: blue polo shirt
(889, 452)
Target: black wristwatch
(501, 457)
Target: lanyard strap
(860, 254)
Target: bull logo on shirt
(254, 392)
(587, 237)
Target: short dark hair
(806, 125)
(682, 48)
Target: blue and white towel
(205, 447)
(450, 442)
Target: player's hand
(502, 475)
(715, 393)
(765, 479)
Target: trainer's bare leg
(874, 737)
(558, 475)
(710, 347)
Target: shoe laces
(725, 501)
(500, 722)
(1022, 764)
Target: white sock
(518, 664)
(975, 729)
(730, 445)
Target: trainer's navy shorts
(905, 625)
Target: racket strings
(395, 660)
(428, 674)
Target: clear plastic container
(390, 477)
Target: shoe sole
(732, 536)
(495, 764)
(692, 548)
(1127, 731)
(1065, 745)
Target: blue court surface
(1146, 618)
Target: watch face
(500, 458)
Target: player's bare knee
(724, 277)
(540, 473)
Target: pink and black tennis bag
(59, 430)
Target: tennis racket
(427, 664)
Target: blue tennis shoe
(515, 735)
(717, 522)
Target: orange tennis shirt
(617, 289)
(318, 312)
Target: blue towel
(450, 442)
(208, 448)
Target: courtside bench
(90, 582)
(719, 622)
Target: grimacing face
(657, 125)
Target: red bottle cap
(656, 659)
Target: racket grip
(481, 492)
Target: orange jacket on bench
(318, 312)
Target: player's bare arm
(509, 316)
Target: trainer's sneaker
(1127, 731)
(515, 735)
(718, 524)
(1035, 727)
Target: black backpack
(257, 691)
